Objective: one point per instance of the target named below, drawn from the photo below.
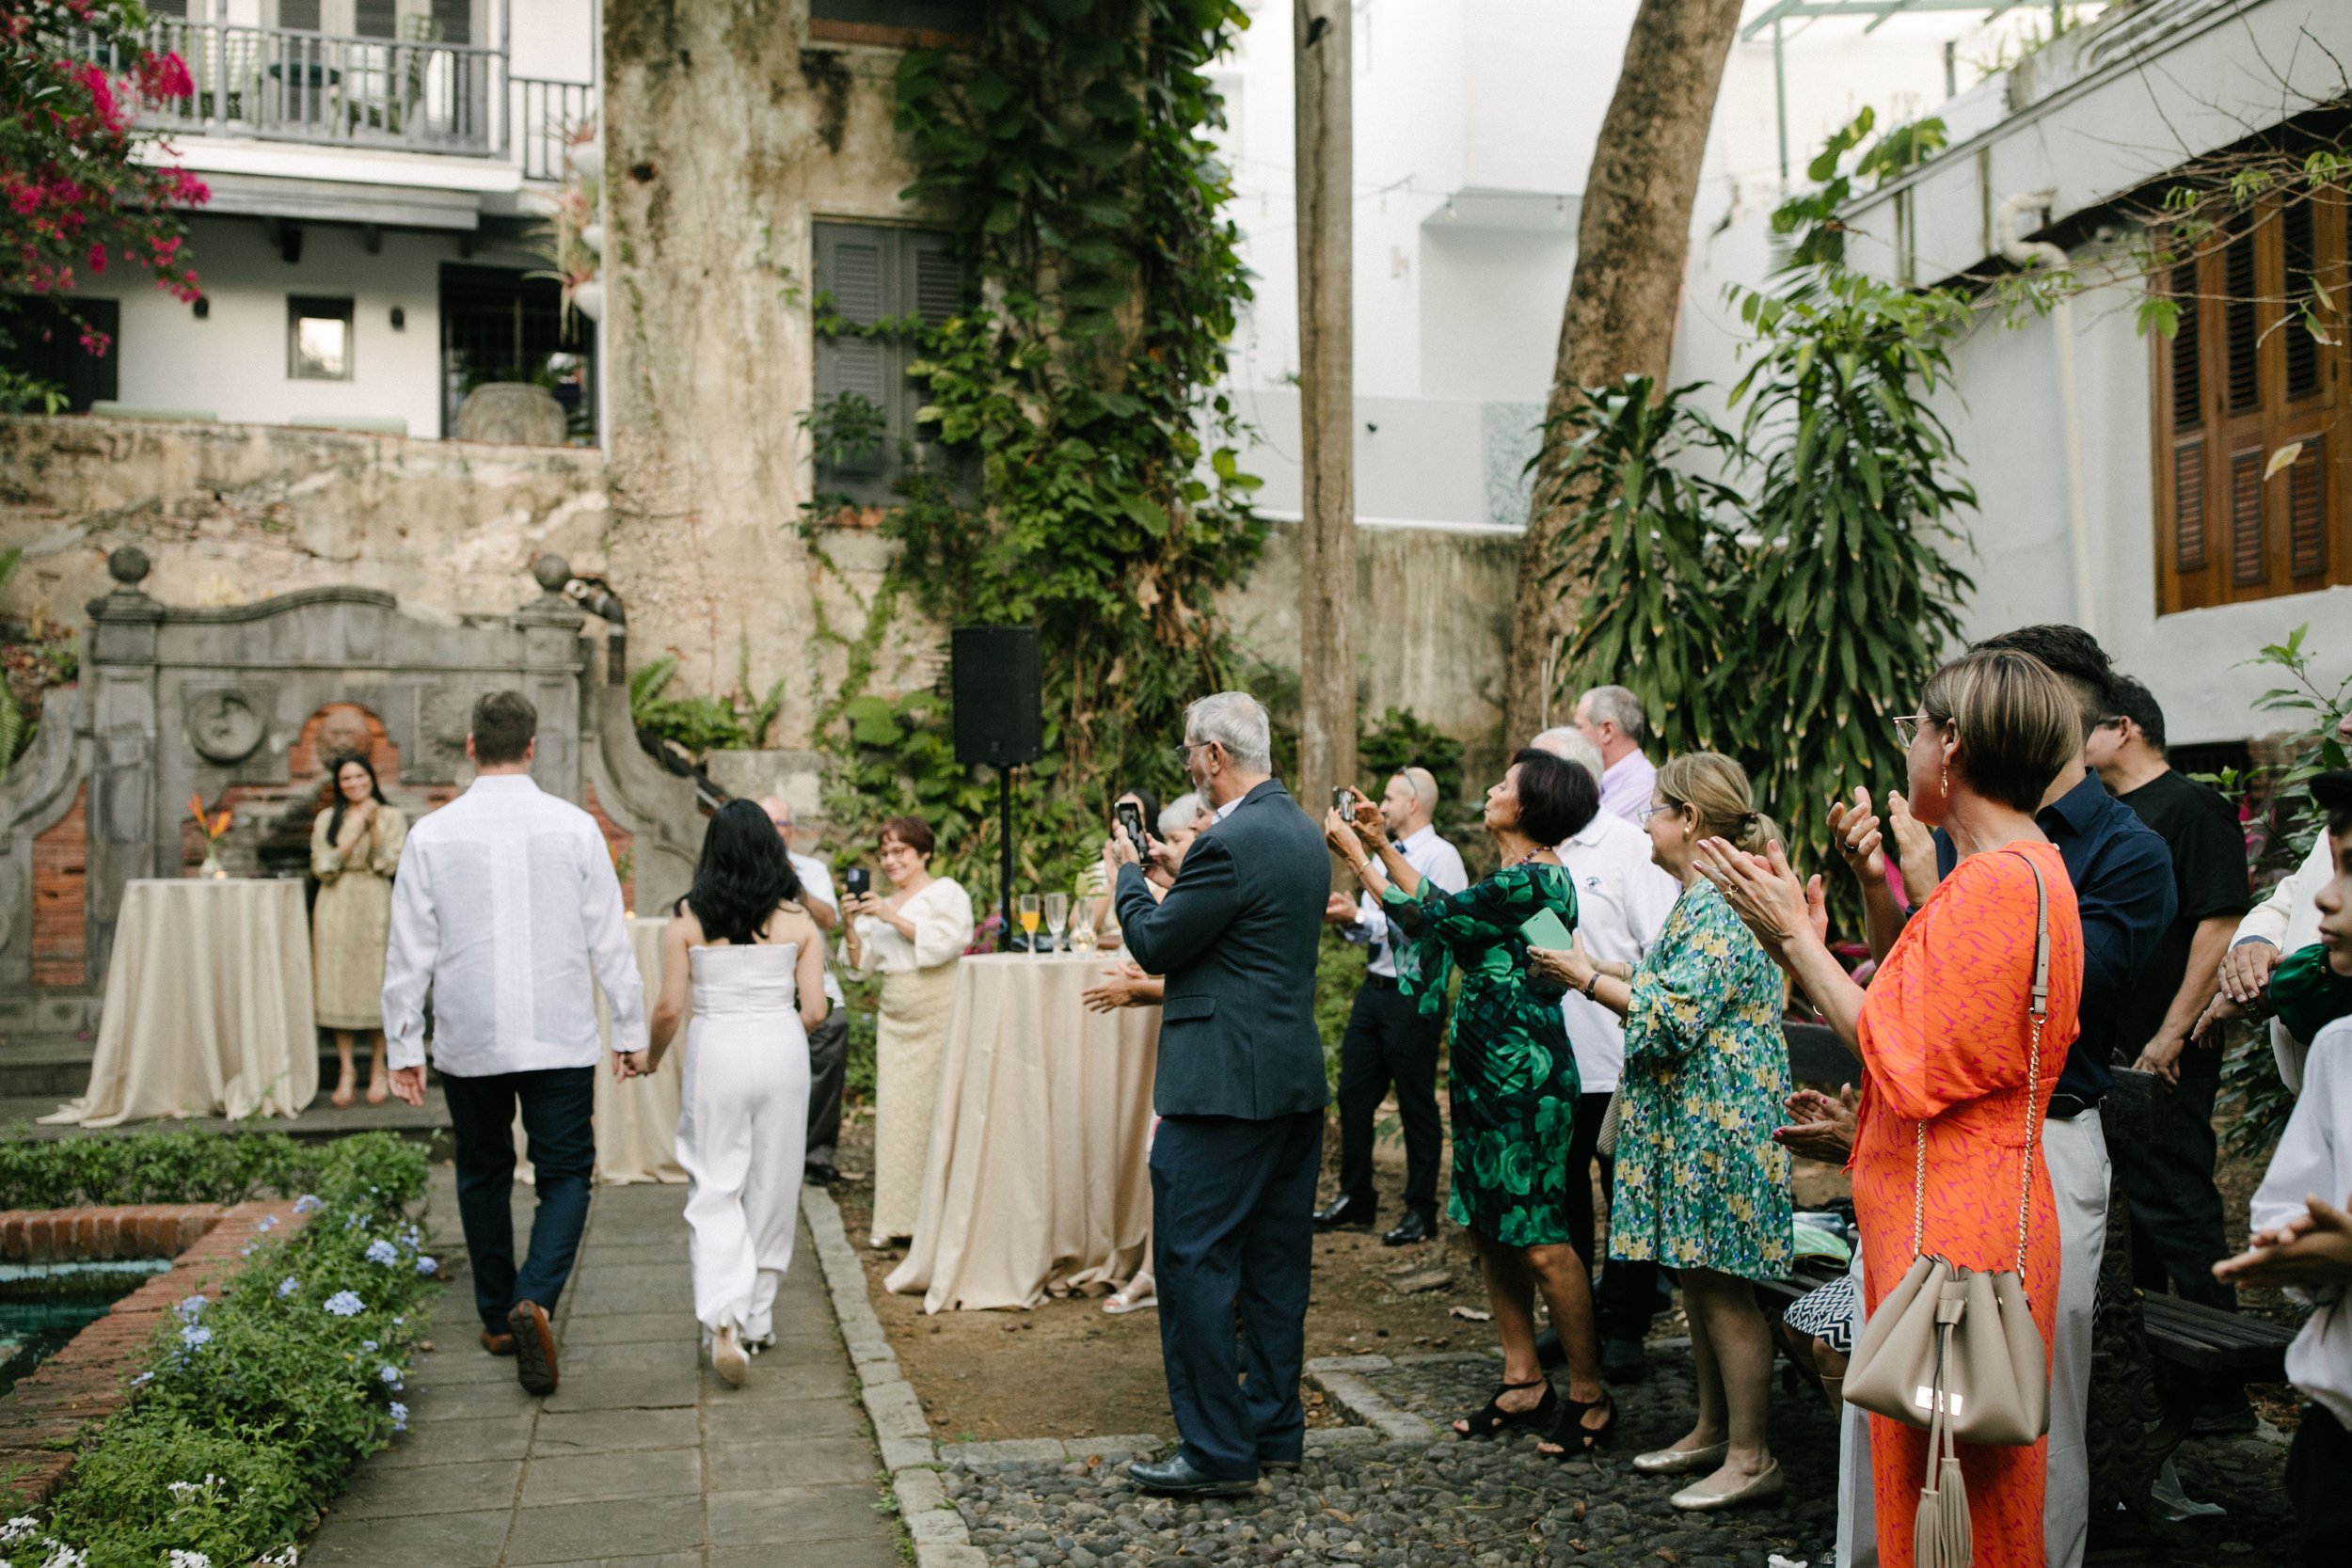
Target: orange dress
(1945, 1039)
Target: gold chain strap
(2038, 1009)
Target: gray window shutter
(376, 19)
(867, 273)
(453, 21)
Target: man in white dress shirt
(1612, 719)
(829, 1042)
(1622, 901)
(505, 905)
(1388, 1039)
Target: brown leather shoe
(498, 1344)
(534, 1348)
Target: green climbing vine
(1094, 490)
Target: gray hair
(1568, 744)
(1620, 707)
(1180, 814)
(1235, 721)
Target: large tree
(1633, 238)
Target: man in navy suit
(1240, 1092)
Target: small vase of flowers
(214, 826)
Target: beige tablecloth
(208, 1006)
(637, 1118)
(1036, 1178)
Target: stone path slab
(641, 1457)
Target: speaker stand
(1003, 835)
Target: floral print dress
(1700, 1182)
(1512, 1079)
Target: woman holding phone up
(1511, 1079)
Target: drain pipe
(597, 597)
(2025, 253)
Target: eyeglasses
(1184, 753)
(1907, 726)
(1654, 810)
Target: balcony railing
(415, 95)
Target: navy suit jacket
(1237, 938)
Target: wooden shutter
(376, 19)
(453, 21)
(2189, 507)
(2307, 510)
(2301, 258)
(2246, 518)
(2241, 328)
(868, 273)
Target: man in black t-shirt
(2177, 1209)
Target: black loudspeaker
(998, 718)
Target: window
(73, 342)
(501, 323)
(896, 23)
(302, 15)
(863, 423)
(2253, 474)
(318, 339)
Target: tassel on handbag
(1942, 1536)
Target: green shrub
(253, 1406)
(188, 1167)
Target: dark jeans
(1626, 1296)
(556, 1103)
(828, 1064)
(1389, 1042)
(2318, 1464)
(2177, 1233)
(1232, 1227)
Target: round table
(208, 1007)
(1036, 1178)
(636, 1118)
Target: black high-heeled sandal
(1572, 1439)
(1492, 1420)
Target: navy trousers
(1389, 1042)
(556, 1104)
(1232, 1231)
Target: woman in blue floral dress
(1511, 1079)
(1701, 1185)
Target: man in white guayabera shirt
(505, 905)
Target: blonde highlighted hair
(1716, 789)
(2015, 718)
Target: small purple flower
(367, 1344)
(428, 1267)
(390, 1376)
(344, 1304)
(287, 1286)
(307, 1204)
(381, 1251)
(269, 1221)
(192, 1307)
(399, 1417)
(196, 1336)
(143, 1377)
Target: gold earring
(1946, 781)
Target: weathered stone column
(552, 662)
(129, 829)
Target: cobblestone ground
(1372, 1504)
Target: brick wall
(89, 1380)
(618, 842)
(90, 1235)
(61, 898)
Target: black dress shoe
(1345, 1214)
(1414, 1228)
(1177, 1477)
(823, 1175)
(1623, 1361)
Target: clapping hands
(1766, 895)
(2310, 1251)
(1822, 1128)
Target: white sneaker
(726, 1356)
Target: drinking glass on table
(1057, 911)
(1028, 918)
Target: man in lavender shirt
(1611, 717)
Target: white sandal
(1120, 1302)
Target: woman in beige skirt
(354, 848)
(912, 938)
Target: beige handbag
(1955, 1350)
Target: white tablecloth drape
(207, 1010)
(1036, 1179)
(636, 1118)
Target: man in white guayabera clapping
(505, 905)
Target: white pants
(741, 1130)
(2076, 1152)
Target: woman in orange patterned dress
(1946, 1044)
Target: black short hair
(2074, 654)
(2333, 791)
(2129, 698)
(1556, 797)
(504, 724)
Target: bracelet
(1591, 986)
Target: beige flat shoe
(727, 1357)
(1682, 1461)
(1765, 1485)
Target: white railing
(546, 116)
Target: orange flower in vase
(214, 826)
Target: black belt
(1381, 982)
(2066, 1107)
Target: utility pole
(1326, 366)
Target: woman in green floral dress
(1512, 1079)
(1701, 1185)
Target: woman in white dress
(911, 939)
(754, 962)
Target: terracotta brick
(37, 1242)
(60, 938)
(12, 1235)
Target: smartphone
(1341, 801)
(1131, 818)
(856, 880)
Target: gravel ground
(1487, 1505)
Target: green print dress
(1513, 1078)
(1700, 1182)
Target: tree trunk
(1327, 362)
(1633, 238)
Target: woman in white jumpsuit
(752, 963)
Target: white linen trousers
(742, 1129)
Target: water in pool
(43, 1306)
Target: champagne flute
(1057, 911)
(1081, 939)
(1028, 918)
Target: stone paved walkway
(641, 1457)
